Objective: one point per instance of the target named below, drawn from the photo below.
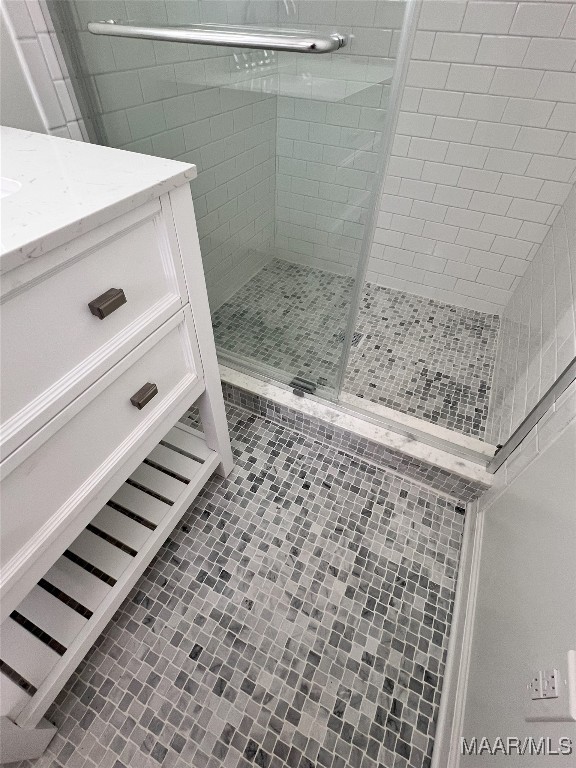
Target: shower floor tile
(425, 358)
(289, 317)
(415, 355)
(298, 617)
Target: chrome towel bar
(299, 41)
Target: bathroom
(328, 249)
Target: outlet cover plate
(553, 700)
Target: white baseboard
(451, 717)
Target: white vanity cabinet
(106, 342)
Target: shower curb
(444, 473)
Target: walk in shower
(287, 108)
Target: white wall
(484, 151)
(537, 339)
(525, 607)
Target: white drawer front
(53, 347)
(51, 478)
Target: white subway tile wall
(537, 338)
(35, 38)
(484, 151)
(328, 146)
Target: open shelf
(51, 630)
(330, 78)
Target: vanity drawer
(86, 452)
(54, 345)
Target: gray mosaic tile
(440, 480)
(298, 617)
(424, 358)
(421, 357)
(289, 317)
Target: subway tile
(422, 47)
(454, 196)
(503, 50)
(539, 19)
(456, 47)
(517, 247)
(528, 112)
(407, 224)
(437, 102)
(438, 231)
(495, 134)
(470, 78)
(461, 270)
(418, 190)
(411, 99)
(491, 203)
(515, 81)
(431, 212)
(406, 167)
(550, 53)
(474, 239)
(559, 86)
(483, 180)
(488, 17)
(451, 251)
(500, 225)
(466, 155)
(541, 140)
(461, 217)
(496, 279)
(441, 15)
(569, 29)
(428, 262)
(509, 162)
(551, 168)
(568, 148)
(427, 149)
(554, 192)
(532, 232)
(441, 173)
(514, 266)
(453, 129)
(483, 107)
(484, 259)
(530, 210)
(415, 124)
(427, 74)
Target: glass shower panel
(286, 146)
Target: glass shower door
(286, 144)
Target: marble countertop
(69, 187)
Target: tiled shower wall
(484, 150)
(47, 74)
(538, 328)
(166, 99)
(328, 149)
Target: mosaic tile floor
(298, 617)
(289, 317)
(416, 355)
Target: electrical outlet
(544, 684)
(552, 692)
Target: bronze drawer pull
(107, 303)
(144, 395)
